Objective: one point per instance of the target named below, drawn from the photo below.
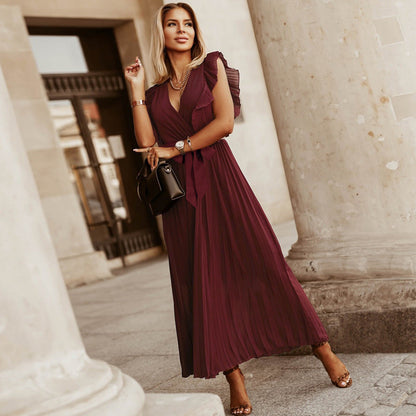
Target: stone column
(341, 78)
(44, 368)
(79, 262)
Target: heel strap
(315, 346)
(230, 370)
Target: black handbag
(158, 188)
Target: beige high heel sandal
(342, 381)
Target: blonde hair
(160, 59)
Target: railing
(130, 243)
(94, 83)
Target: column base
(85, 268)
(324, 259)
(95, 389)
(367, 316)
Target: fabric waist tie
(195, 172)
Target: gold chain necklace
(181, 83)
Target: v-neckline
(178, 111)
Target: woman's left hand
(156, 153)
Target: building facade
(78, 131)
(338, 88)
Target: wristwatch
(180, 145)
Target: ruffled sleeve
(233, 76)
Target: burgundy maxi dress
(235, 297)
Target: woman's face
(178, 29)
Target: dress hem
(251, 356)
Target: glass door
(78, 161)
(91, 166)
(102, 154)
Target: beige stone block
(85, 268)
(382, 8)
(132, 38)
(408, 126)
(202, 404)
(21, 74)
(121, 9)
(35, 124)
(388, 30)
(399, 61)
(13, 32)
(50, 172)
(404, 105)
(127, 42)
(67, 225)
(407, 14)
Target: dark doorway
(92, 116)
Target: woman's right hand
(134, 74)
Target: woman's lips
(181, 40)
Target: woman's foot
(239, 401)
(335, 368)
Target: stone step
(183, 404)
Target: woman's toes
(343, 381)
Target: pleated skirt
(235, 297)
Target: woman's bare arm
(143, 129)
(223, 107)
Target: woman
(235, 297)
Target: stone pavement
(128, 322)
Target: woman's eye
(171, 24)
(189, 24)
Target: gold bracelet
(138, 102)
